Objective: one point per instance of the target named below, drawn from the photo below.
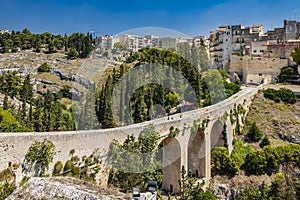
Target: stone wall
(256, 70)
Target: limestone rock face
(61, 188)
(224, 192)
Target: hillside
(78, 74)
(279, 121)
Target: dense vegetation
(261, 161)
(34, 113)
(77, 44)
(225, 164)
(210, 88)
(134, 161)
(283, 186)
(189, 190)
(283, 94)
(280, 160)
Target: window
(254, 51)
(261, 51)
(259, 74)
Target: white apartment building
(106, 41)
(153, 40)
(220, 46)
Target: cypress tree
(5, 103)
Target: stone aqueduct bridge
(189, 148)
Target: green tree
(40, 154)
(223, 163)
(254, 133)
(5, 103)
(51, 47)
(73, 53)
(287, 95)
(8, 122)
(7, 45)
(26, 93)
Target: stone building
(291, 30)
(243, 36)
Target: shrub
(287, 95)
(73, 53)
(283, 94)
(250, 192)
(240, 152)
(76, 172)
(222, 162)
(6, 189)
(44, 68)
(254, 133)
(270, 94)
(173, 132)
(264, 142)
(24, 180)
(256, 162)
(68, 166)
(58, 167)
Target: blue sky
(191, 17)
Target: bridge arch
(216, 134)
(196, 160)
(170, 156)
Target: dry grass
(274, 119)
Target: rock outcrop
(62, 188)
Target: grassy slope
(279, 121)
